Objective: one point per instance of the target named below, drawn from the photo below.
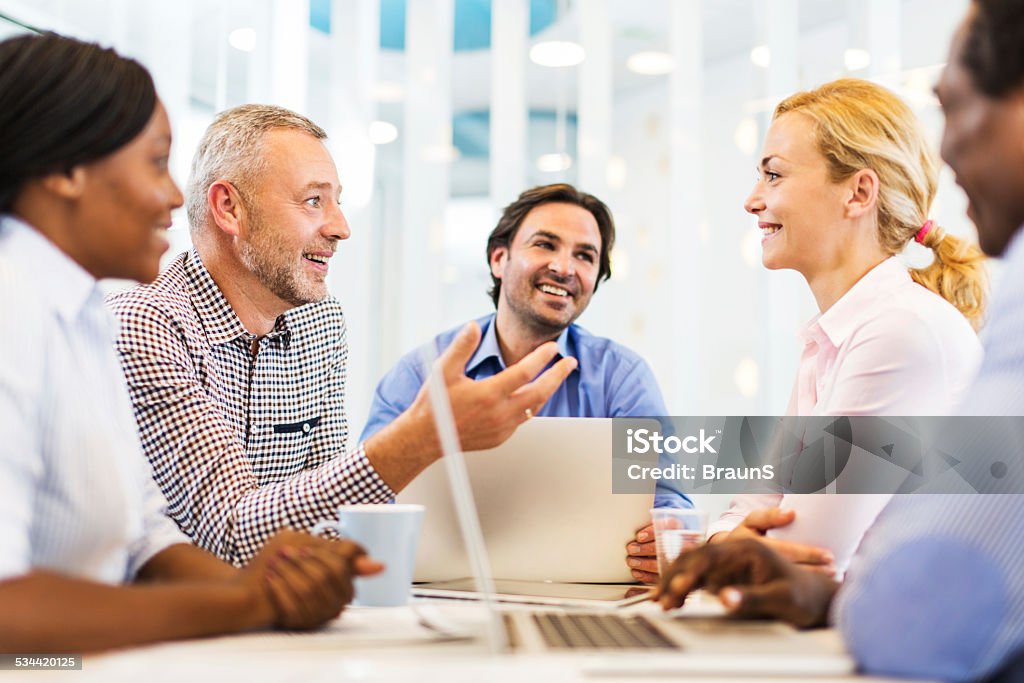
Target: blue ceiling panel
(472, 22)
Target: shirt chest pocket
(280, 450)
(305, 427)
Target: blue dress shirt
(937, 589)
(610, 381)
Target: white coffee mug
(389, 533)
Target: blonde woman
(846, 181)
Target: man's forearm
(46, 612)
(404, 448)
(185, 562)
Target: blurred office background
(441, 111)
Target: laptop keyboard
(599, 631)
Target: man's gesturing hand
(488, 411)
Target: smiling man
(547, 255)
(236, 355)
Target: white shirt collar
(860, 301)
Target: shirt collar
(220, 321)
(59, 280)
(489, 347)
(859, 302)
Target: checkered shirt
(242, 443)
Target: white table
(366, 644)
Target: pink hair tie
(923, 232)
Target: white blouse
(76, 494)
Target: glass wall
(441, 111)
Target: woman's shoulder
(916, 310)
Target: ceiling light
(243, 39)
(553, 163)
(855, 59)
(382, 132)
(761, 56)
(557, 53)
(651, 63)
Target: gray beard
(278, 279)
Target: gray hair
(232, 150)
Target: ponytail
(957, 274)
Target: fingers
(535, 394)
(641, 550)
(773, 599)
(643, 564)
(515, 377)
(309, 579)
(366, 566)
(292, 593)
(642, 557)
(769, 518)
(453, 361)
(801, 553)
(801, 599)
(673, 591)
(525, 370)
(645, 577)
(720, 565)
(686, 574)
(828, 570)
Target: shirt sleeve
(394, 394)
(633, 391)
(21, 465)
(211, 487)
(936, 590)
(741, 506)
(158, 530)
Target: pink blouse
(887, 347)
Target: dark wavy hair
(992, 46)
(64, 103)
(560, 193)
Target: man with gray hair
(238, 385)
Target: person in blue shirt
(548, 253)
(937, 589)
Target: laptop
(651, 643)
(546, 508)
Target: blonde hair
(232, 150)
(862, 125)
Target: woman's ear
(69, 185)
(863, 193)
